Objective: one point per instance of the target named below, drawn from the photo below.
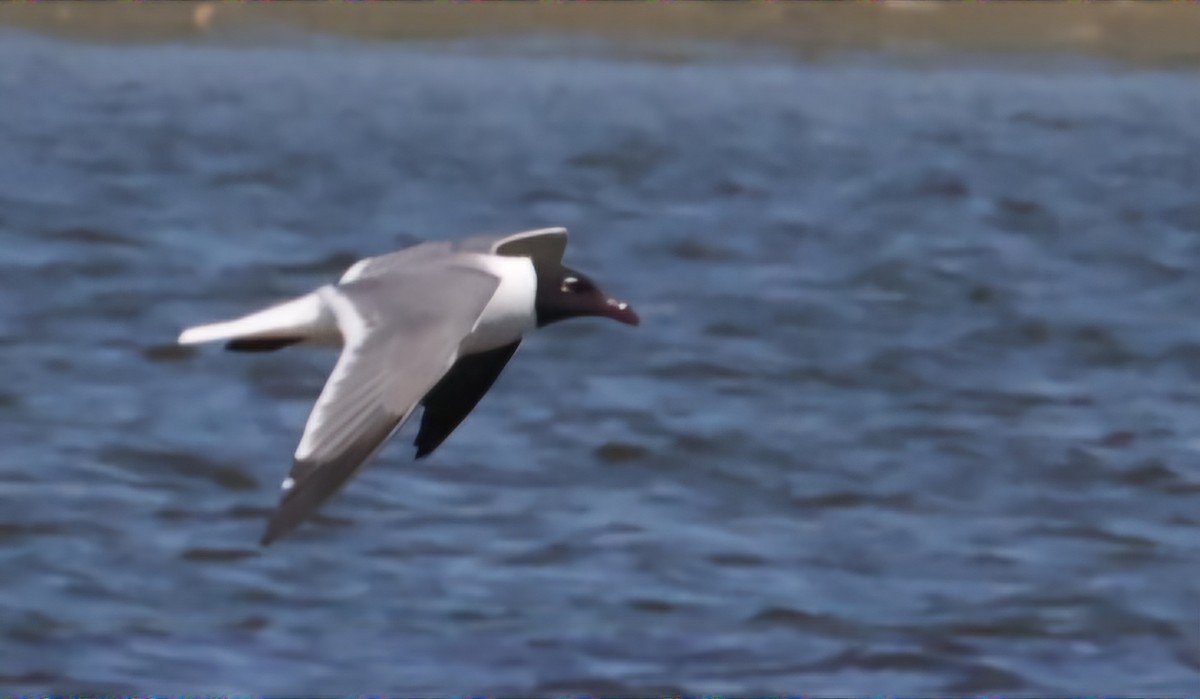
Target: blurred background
(912, 409)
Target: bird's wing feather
(545, 244)
(548, 244)
(401, 336)
(457, 394)
(408, 258)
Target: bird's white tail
(303, 318)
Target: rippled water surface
(914, 406)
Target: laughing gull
(431, 325)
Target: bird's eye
(568, 284)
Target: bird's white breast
(510, 313)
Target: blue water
(913, 407)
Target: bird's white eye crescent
(568, 284)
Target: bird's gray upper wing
(401, 336)
(543, 244)
(408, 258)
(547, 244)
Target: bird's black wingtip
(423, 447)
(277, 527)
(268, 344)
(268, 536)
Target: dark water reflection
(911, 408)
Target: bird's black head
(565, 293)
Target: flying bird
(431, 325)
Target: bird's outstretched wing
(546, 244)
(457, 394)
(541, 245)
(401, 335)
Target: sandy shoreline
(1159, 33)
